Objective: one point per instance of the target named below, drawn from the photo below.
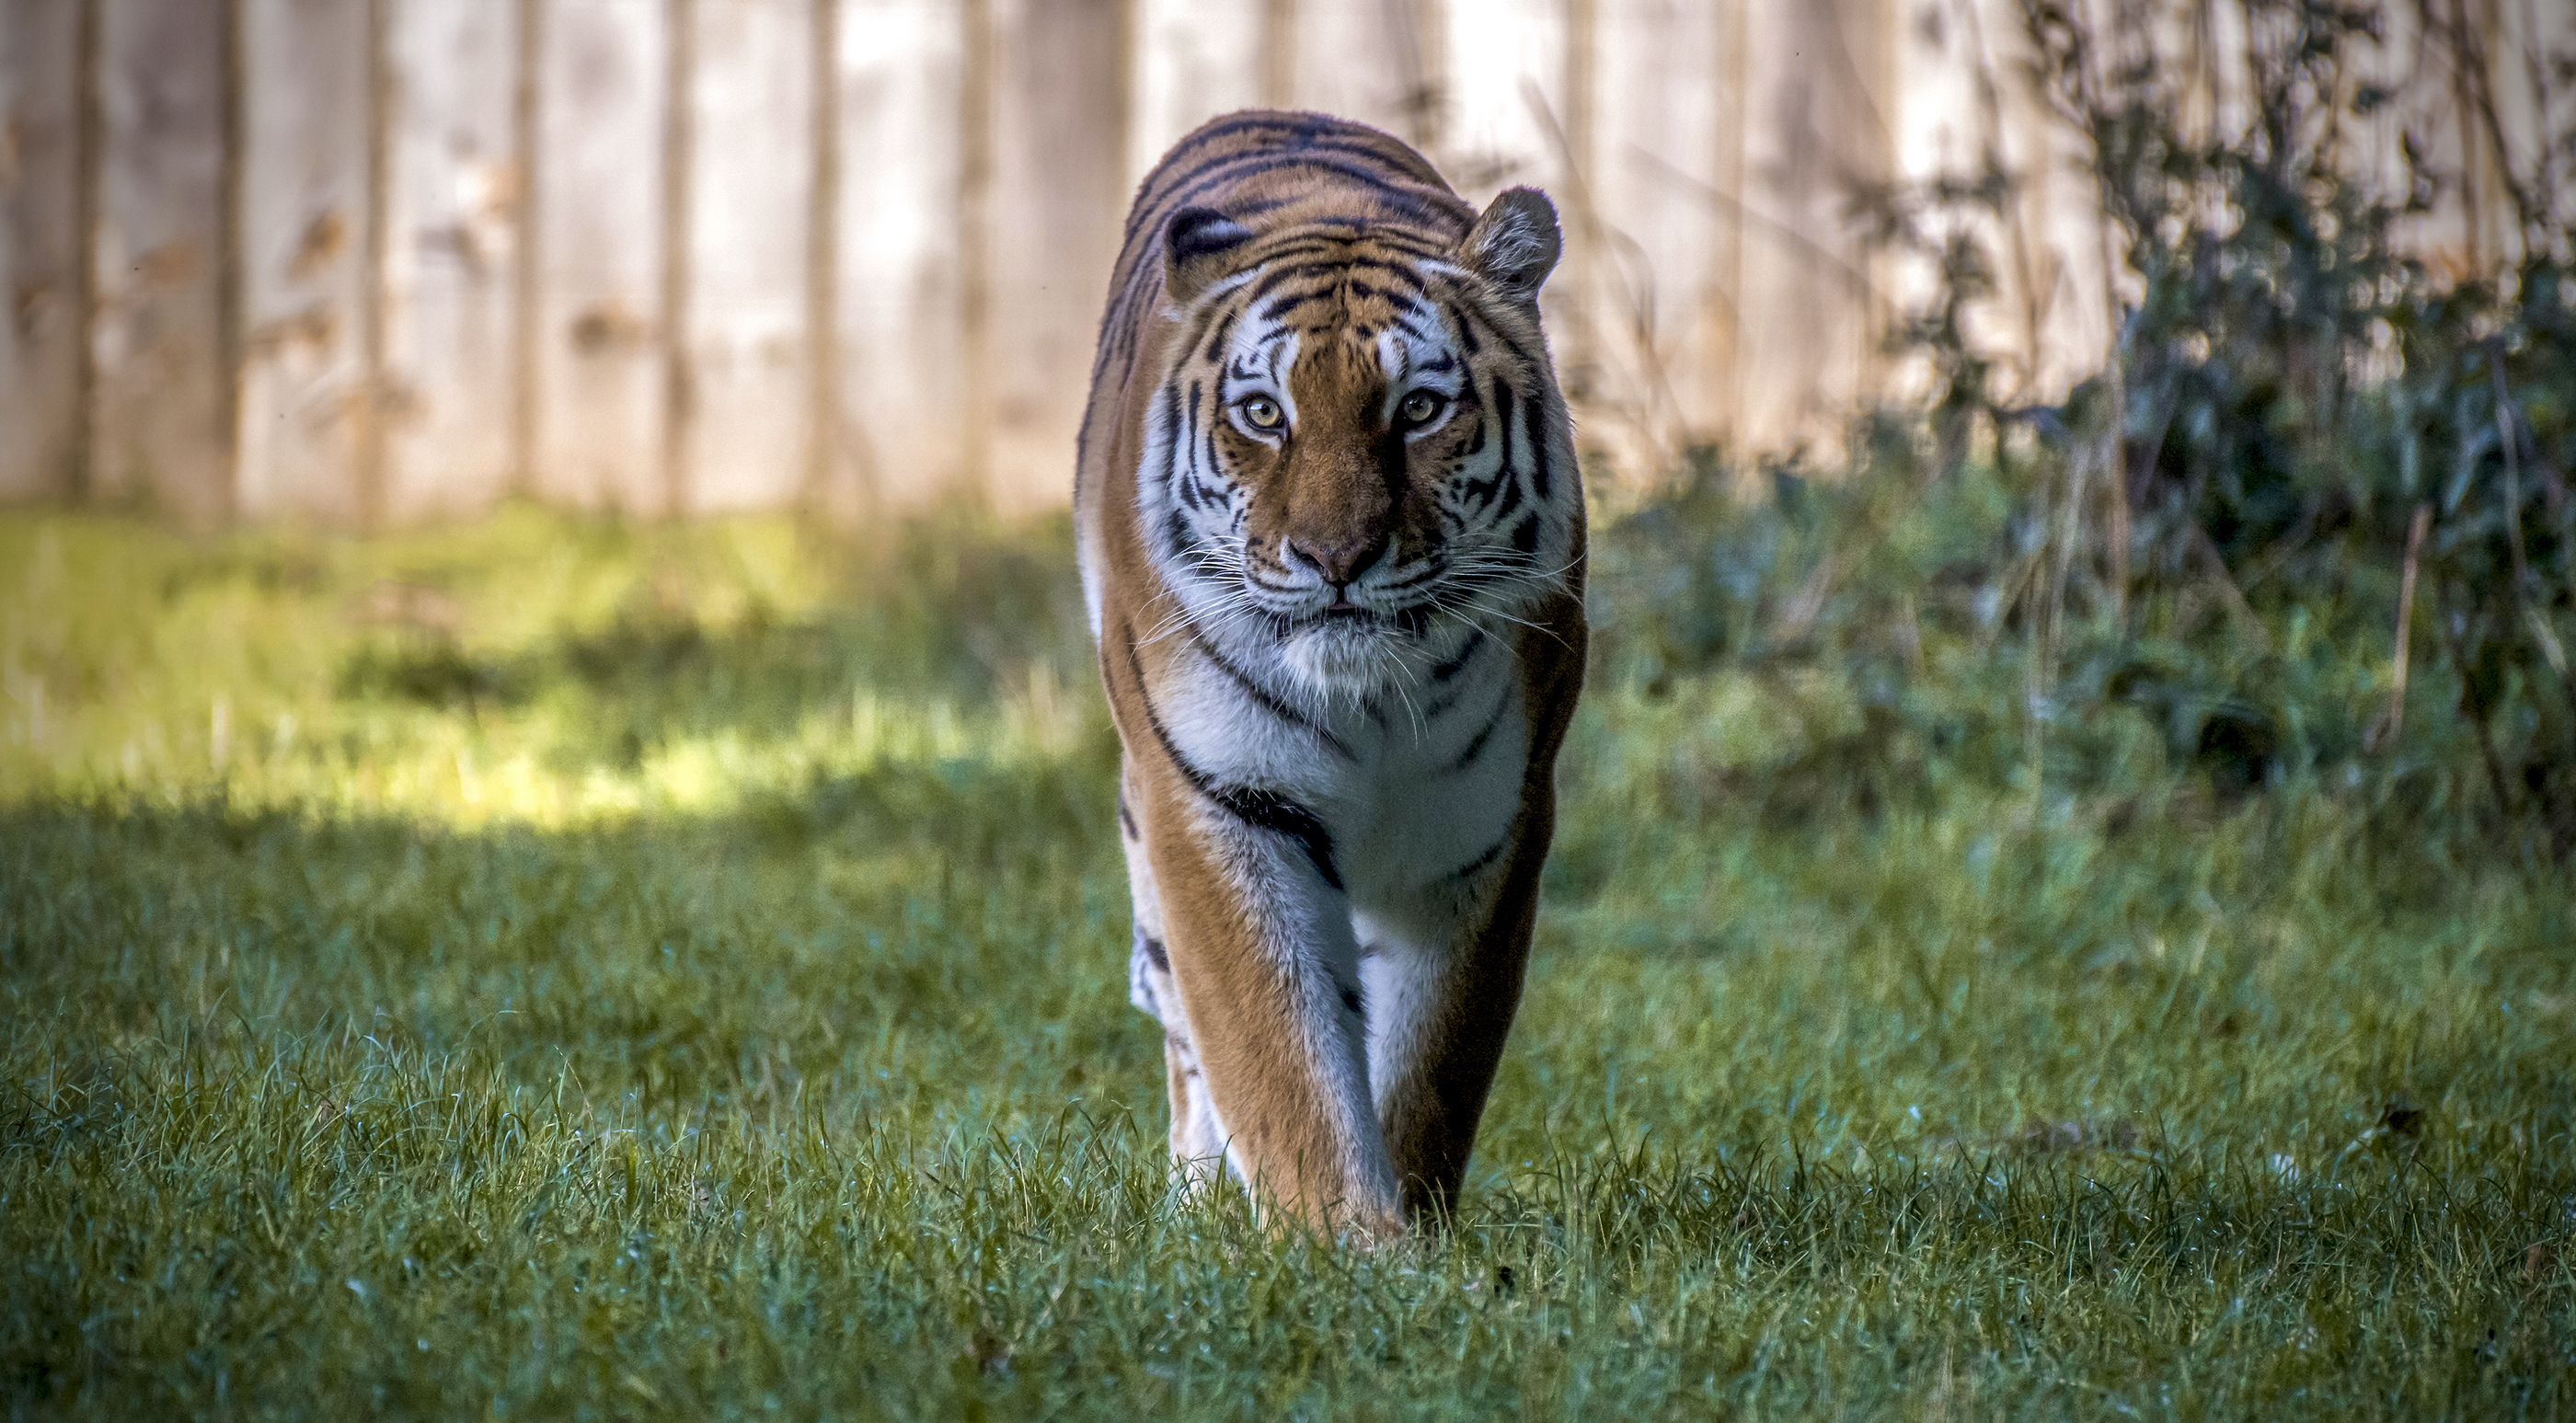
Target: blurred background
(361, 262)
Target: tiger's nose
(1341, 563)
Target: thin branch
(2392, 717)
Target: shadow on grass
(975, 904)
(966, 619)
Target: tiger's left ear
(1195, 244)
(1515, 244)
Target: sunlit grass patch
(577, 968)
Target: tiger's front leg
(1198, 1147)
(1244, 952)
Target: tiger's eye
(1262, 411)
(1419, 407)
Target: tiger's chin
(1349, 658)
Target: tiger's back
(1331, 536)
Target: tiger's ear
(1195, 244)
(1515, 244)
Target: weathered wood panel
(1504, 75)
(901, 404)
(1059, 194)
(1962, 102)
(700, 254)
(454, 213)
(1365, 59)
(1650, 206)
(1193, 62)
(600, 370)
(1812, 132)
(305, 297)
(160, 415)
(40, 250)
(744, 331)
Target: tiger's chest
(1413, 788)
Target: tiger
(1331, 538)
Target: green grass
(569, 969)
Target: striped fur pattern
(1332, 539)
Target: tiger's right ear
(1195, 244)
(1514, 244)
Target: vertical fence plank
(453, 213)
(1361, 59)
(599, 368)
(1813, 132)
(160, 414)
(753, 181)
(1060, 162)
(855, 256)
(679, 255)
(822, 258)
(527, 267)
(303, 276)
(1654, 188)
(40, 249)
(1193, 62)
(899, 406)
(1494, 135)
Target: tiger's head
(1359, 455)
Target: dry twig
(2392, 717)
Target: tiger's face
(1353, 467)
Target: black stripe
(1185, 422)
(1483, 491)
(1508, 500)
(1263, 697)
(1431, 569)
(1476, 747)
(1293, 300)
(1520, 358)
(1487, 858)
(1179, 185)
(1445, 705)
(1271, 811)
(1399, 197)
(1525, 533)
(1203, 434)
(1208, 316)
(1341, 269)
(1304, 241)
(1291, 142)
(1155, 953)
(1224, 328)
(1261, 809)
(1540, 480)
(1476, 437)
(1475, 643)
(1126, 818)
(1278, 277)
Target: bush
(2331, 462)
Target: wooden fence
(360, 261)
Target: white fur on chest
(1413, 788)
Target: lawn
(568, 968)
